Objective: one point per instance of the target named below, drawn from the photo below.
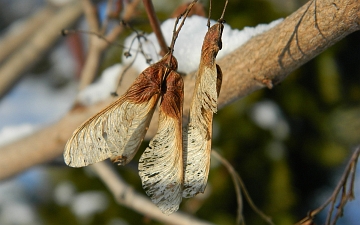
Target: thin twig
(177, 31)
(208, 22)
(138, 37)
(114, 93)
(155, 25)
(97, 34)
(341, 187)
(244, 190)
(221, 20)
(239, 218)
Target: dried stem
(177, 31)
(347, 179)
(155, 25)
(231, 170)
(223, 13)
(67, 32)
(237, 179)
(208, 22)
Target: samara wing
(117, 131)
(161, 164)
(203, 106)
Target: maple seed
(203, 106)
(117, 131)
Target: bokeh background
(289, 144)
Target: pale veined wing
(117, 131)
(197, 142)
(161, 164)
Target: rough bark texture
(263, 61)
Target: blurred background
(289, 144)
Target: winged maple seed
(117, 131)
(203, 106)
(167, 173)
(161, 164)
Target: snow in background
(187, 51)
(101, 89)
(188, 45)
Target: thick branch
(14, 38)
(264, 60)
(268, 58)
(46, 144)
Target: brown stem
(155, 25)
(340, 187)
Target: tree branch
(345, 186)
(125, 195)
(258, 63)
(43, 38)
(97, 45)
(15, 38)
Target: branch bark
(125, 195)
(263, 61)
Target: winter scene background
(289, 144)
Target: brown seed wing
(161, 164)
(117, 131)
